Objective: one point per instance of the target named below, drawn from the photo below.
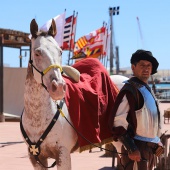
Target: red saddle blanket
(90, 102)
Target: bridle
(45, 71)
(51, 32)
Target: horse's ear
(52, 30)
(33, 28)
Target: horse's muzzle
(57, 90)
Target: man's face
(142, 70)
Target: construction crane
(140, 31)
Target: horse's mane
(42, 33)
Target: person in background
(136, 116)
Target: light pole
(112, 11)
(20, 56)
(117, 60)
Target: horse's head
(46, 60)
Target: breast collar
(34, 148)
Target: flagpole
(75, 33)
(107, 46)
(105, 50)
(71, 38)
(102, 58)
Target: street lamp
(21, 56)
(112, 11)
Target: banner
(60, 22)
(91, 44)
(69, 33)
(107, 43)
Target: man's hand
(135, 156)
(160, 144)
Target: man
(136, 116)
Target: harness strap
(31, 62)
(34, 148)
(45, 71)
(42, 74)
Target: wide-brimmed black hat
(145, 55)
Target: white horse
(46, 132)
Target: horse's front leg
(64, 162)
(36, 165)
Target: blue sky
(153, 15)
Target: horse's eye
(61, 52)
(37, 52)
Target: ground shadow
(3, 144)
